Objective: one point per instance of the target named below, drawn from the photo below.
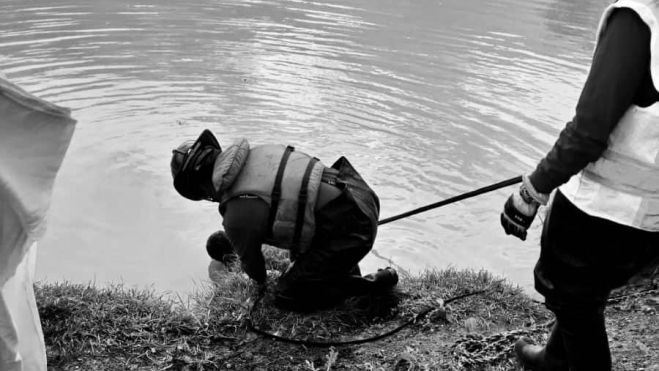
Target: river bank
(439, 320)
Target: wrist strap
(530, 195)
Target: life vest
(288, 180)
(623, 184)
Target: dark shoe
(385, 279)
(535, 358)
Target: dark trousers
(582, 259)
(328, 272)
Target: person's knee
(219, 248)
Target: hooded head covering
(188, 165)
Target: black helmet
(186, 162)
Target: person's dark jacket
(619, 77)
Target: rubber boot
(551, 357)
(383, 279)
(585, 339)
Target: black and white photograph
(326, 185)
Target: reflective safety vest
(289, 181)
(623, 184)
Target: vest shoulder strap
(302, 201)
(276, 190)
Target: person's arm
(245, 222)
(620, 64)
(616, 80)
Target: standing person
(326, 217)
(603, 224)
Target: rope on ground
(478, 350)
(463, 196)
(253, 328)
(619, 298)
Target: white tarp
(34, 137)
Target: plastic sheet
(34, 137)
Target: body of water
(428, 99)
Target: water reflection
(428, 99)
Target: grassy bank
(115, 328)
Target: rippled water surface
(428, 99)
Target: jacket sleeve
(620, 65)
(245, 223)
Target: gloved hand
(219, 248)
(520, 209)
(518, 215)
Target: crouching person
(326, 217)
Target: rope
(475, 351)
(451, 200)
(478, 350)
(620, 298)
(435, 205)
(313, 343)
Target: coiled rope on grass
(420, 315)
(253, 328)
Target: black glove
(520, 209)
(219, 248)
(517, 216)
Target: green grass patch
(117, 328)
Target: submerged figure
(603, 224)
(326, 217)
